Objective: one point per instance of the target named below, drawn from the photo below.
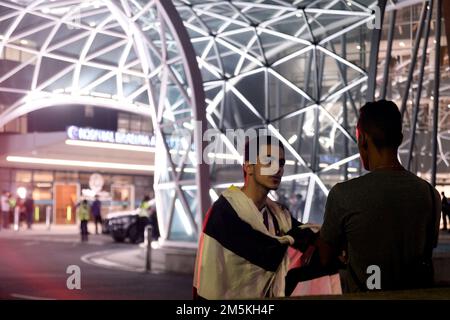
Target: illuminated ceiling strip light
(309, 197)
(238, 51)
(345, 30)
(338, 12)
(233, 32)
(220, 17)
(341, 128)
(196, 29)
(294, 177)
(298, 112)
(342, 60)
(292, 56)
(242, 59)
(346, 88)
(284, 36)
(247, 103)
(290, 84)
(287, 145)
(106, 145)
(211, 68)
(266, 23)
(265, 6)
(78, 163)
(321, 184)
(237, 78)
(336, 165)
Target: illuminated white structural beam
(80, 163)
(106, 145)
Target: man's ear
(248, 168)
(363, 140)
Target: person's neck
(385, 161)
(257, 193)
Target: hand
(303, 238)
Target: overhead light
(323, 165)
(292, 139)
(43, 184)
(448, 105)
(24, 42)
(349, 3)
(402, 44)
(107, 145)
(22, 192)
(92, 24)
(80, 163)
(358, 47)
(351, 169)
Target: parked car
(122, 225)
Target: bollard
(16, 218)
(48, 213)
(148, 260)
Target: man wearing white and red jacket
(242, 252)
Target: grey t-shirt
(381, 219)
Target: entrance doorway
(65, 197)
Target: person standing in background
(445, 210)
(5, 210)
(29, 209)
(83, 216)
(96, 211)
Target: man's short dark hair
(259, 141)
(382, 121)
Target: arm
(332, 233)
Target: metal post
(148, 260)
(16, 218)
(419, 86)
(374, 50)
(48, 213)
(437, 67)
(412, 66)
(344, 104)
(388, 54)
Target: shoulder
(282, 206)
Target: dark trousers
(142, 223)
(97, 220)
(5, 220)
(84, 230)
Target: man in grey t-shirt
(382, 220)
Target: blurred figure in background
(5, 210)
(28, 208)
(296, 205)
(83, 215)
(144, 217)
(153, 220)
(96, 211)
(445, 210)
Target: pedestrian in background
(5, 210)
(445, 210)
(144, 217)
(96, 211)
(83, 216)
(29, 209)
